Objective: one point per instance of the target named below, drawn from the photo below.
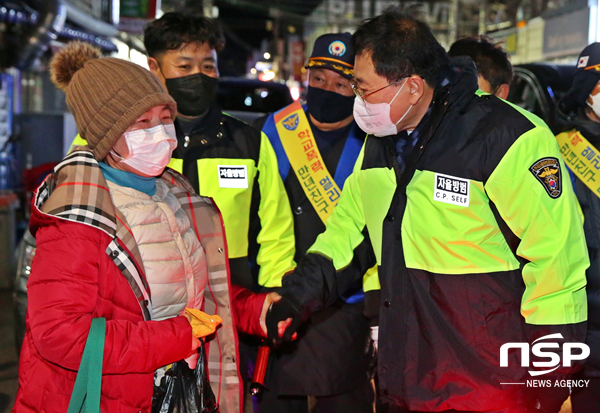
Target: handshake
(280, 319)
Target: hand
(282, 321)
(202, 323)
(269, 299)
(195, 345)
(282, 325)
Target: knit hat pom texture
(69, 60)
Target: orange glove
(202, 323)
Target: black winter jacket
(475, 249)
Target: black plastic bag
(183, 390)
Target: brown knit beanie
(106, 95)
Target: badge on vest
(233, 176)
(547, 171)
(451, 190)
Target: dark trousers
(586, 399)
(401, 410)
(359, 400)
(270, 402)
(398, 409)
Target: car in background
(249, 99)
(245, 99)
(537, 87)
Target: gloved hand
(202, 323)
(282, 311)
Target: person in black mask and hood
(579, 112)
(317, 145)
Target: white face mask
(374, 118)
(595, 105)
(150, 149)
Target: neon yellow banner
(304, 156)
(582, 158)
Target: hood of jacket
(77, 191)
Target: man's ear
(154, 67)
(416, 86)
(502, 91)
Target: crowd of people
(387, 239)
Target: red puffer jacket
(72, 276)
(73, 280)
(81, 272)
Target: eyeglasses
(363, 95)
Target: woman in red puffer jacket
(96, 256)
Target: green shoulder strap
(86, 393)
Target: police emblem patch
(291, 122)
(337, 48)
(547, 171)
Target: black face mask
(328, 107)
(194, 94)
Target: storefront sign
(135, 14)
(566, 34)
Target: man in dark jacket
(222, 157)
(463, 202)
(316, 155)
(579, 110)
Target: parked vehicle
(537, 87)
(249, 99)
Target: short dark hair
(174, 29)
(400, 45)
(491, 61)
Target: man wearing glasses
(464, 203)
(317, 146)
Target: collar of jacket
(455, 88)
(92, 205)
(456, 84)
(209, 129)
(588, 128)
(574, 117)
